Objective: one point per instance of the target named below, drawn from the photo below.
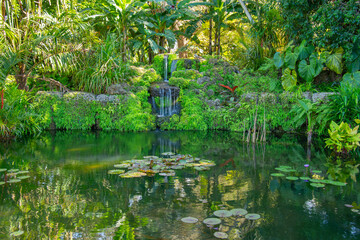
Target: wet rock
(322, 96)
(203, 80)
(79, 96)
(157, 89)
(118, 89)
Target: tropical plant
(343, 138)
(16, 115)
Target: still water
(70, 195)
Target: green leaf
(153, 45)
(278, 60)
(291, 58)
(355, 57)
(334, 60)
(351, 79)
(289, 79)
(307, 71)
(304, 51)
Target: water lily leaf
(151, 157)
(277, 175)
(252, 216)
(23, 172)
(348, 205)
(292, 178)
(17, 233)
(315, 180)
(284, 166)
(222, 213)
(117, 171)
(355, 210)
(305, 178)
(14, 181)
(132, 174)
(189, 220)
(177, 167)
(168, 154)
(220, 235)
(23, 177)
(317, 185)
(207, 163)
(13, 170)
(238, 212)
(3, 169)
(201, 168)
(122, 165)
(212, 221)
(316, 171)
(336, 183)
(167, 174)
(2, 183)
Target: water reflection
(71, 196)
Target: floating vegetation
(317, 185)
(189, 220)
(348, 205)
(14, 180)
(117, 171)
(316, 180)
(151, 165)
(23, 177)
(278, 175)
(16, 234)
(238, 212)
(22, 172)
(2, 183)
(3, 169)
(223, 213)
(221, 235)
(252, 216)
(13, 170)
(212, 221)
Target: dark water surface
(69, 194)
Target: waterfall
(164, 100)
(173, 67)
(166, 68)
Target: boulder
(80, 95)
(118, 89)
(322, 96)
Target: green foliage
(17, 117)
(304, 112)
(180, 82)
(144, 77)
(102, 68)
(159, 64)
(187, 74)
(289, 79)
(343, 139)
(128, 113)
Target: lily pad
(284, 166)
(348, 205)
(116, 171)
(238, 212)
(17, 233)
(23, 177)
(292, 178)
(23, 172)
(277, 175)
(168, 154)
(189, 220)
(167, 174)
(122, 165)
(252, 216)
(207, 163)
(177, 167)
(151, 157)
(316, 171)
(222, 213)
(317, 185)
(14, 181)
(336, 183)
(132, 174)
(2, 183)
(201, 168)
(305, 178)
(220, 235)
(13, 170)
(315, 180)
(2, 169)
(212, 221)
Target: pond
(70, 195)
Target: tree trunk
(124, 45)
(218, 43)
(3, 10)
(151, 55)
(21, 78)
(216, 37)
(210, 37)
(162, 43)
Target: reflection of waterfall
(165, 144)
(166, 68)
(173, 67)
(164, 100)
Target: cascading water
(166, 68)
(173, 67)
(164, 100)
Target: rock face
(157, 89)
(118, 89)
(322, 96)
(79, 95)
(191, 63)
